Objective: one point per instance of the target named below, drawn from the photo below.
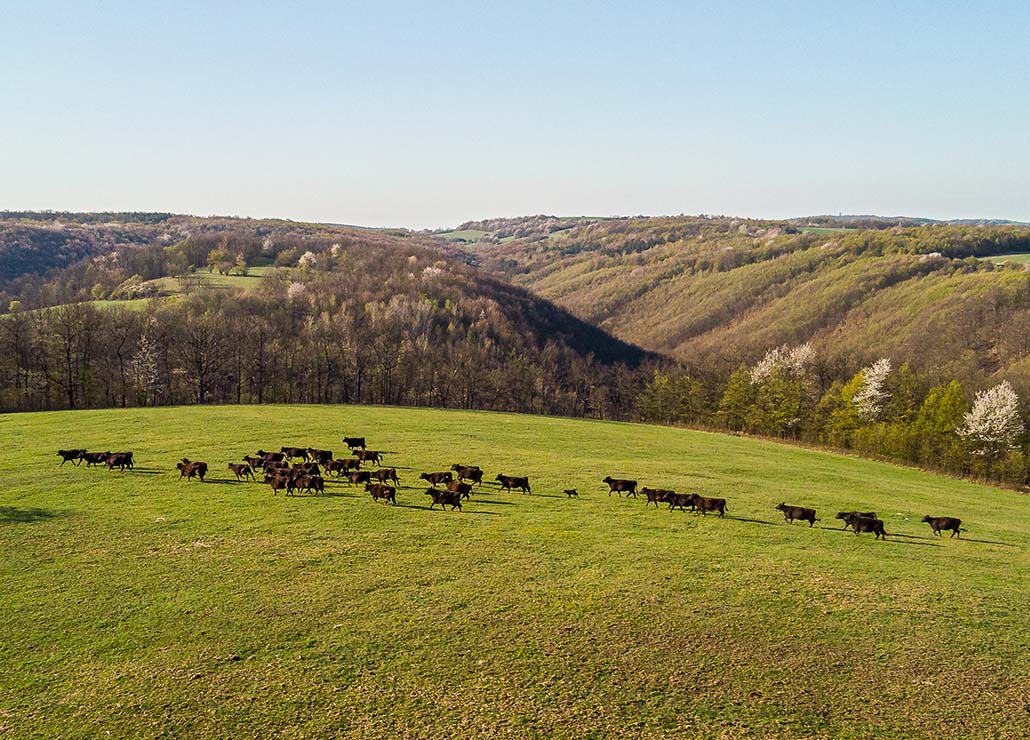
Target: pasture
(136, 605)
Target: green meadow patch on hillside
(137, 605)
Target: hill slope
(138, 604)
(727, 290)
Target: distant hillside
(721, 291)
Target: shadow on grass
(494, 502)
(16, 515)
(893, 538)
(984, 542)
(744, 519)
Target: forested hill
(188, 310)
(719, 291)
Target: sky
(425, 115)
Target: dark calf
(354, 442)
(189, 469)
(790, 513)
(937, 523)
(571, 492)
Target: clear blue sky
(427, 114)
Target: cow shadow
(494, 502)
(17, 515)
(983, 542)
(893, 538)
(744, 519)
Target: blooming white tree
(308, 260)
(872, 396)
(993, 426)
(794, 360)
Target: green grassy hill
(136, 605)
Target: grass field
(1011, 259)
(134, 605)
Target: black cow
(373, 456)
(937, 523)
(509, 482)
(679, 500)
(384, 474)
(354, 442)
(865, 524)
(357, 477)
(241, 471)
(462, 489)
(847, 516)
(472, 473)
(72, 456)
(292, 452)
(704, 504)
(619, 485)
(320, 456)
(790, 513)
(189, 469)
(121, 460)
(95, 458)
(654, 495)
(571, 492)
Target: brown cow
(509, 482)
(189, 469)
(310, 483)
(790, 513)
(279, 483)
(122, 460)
(241, 471)
(435, 479)
(655, 495)
(863, 524)
(462, 489)
(320, 456)
(619, 485)
(254, 462)
(373, 456)
(381, 491)
(357, 477)
(679, 500)
(95, 458)
(292, 452)
(472, 473)
(444, 498)
(384, 474)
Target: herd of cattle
(305, 469)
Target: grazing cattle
(320, 456)
(384, 474)
(271, 456)
(373, 456)
(241, 471)
(310, 483)
(381, 491)
(95, 458)
(618, 485)
(462, 489)
(704, 505)
(937, 523)
(865, 524)
(254, 462)
(571, 492)
(790, 513)
(189, 469)
(358, 477)
(472, 473)
(121, 460)
(72, 456)
(444, 498)
(354, 442)
(509, 482)
(655, 495)
(847, 516)
(435, 479)
(292, 452)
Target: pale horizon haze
(427, 115)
